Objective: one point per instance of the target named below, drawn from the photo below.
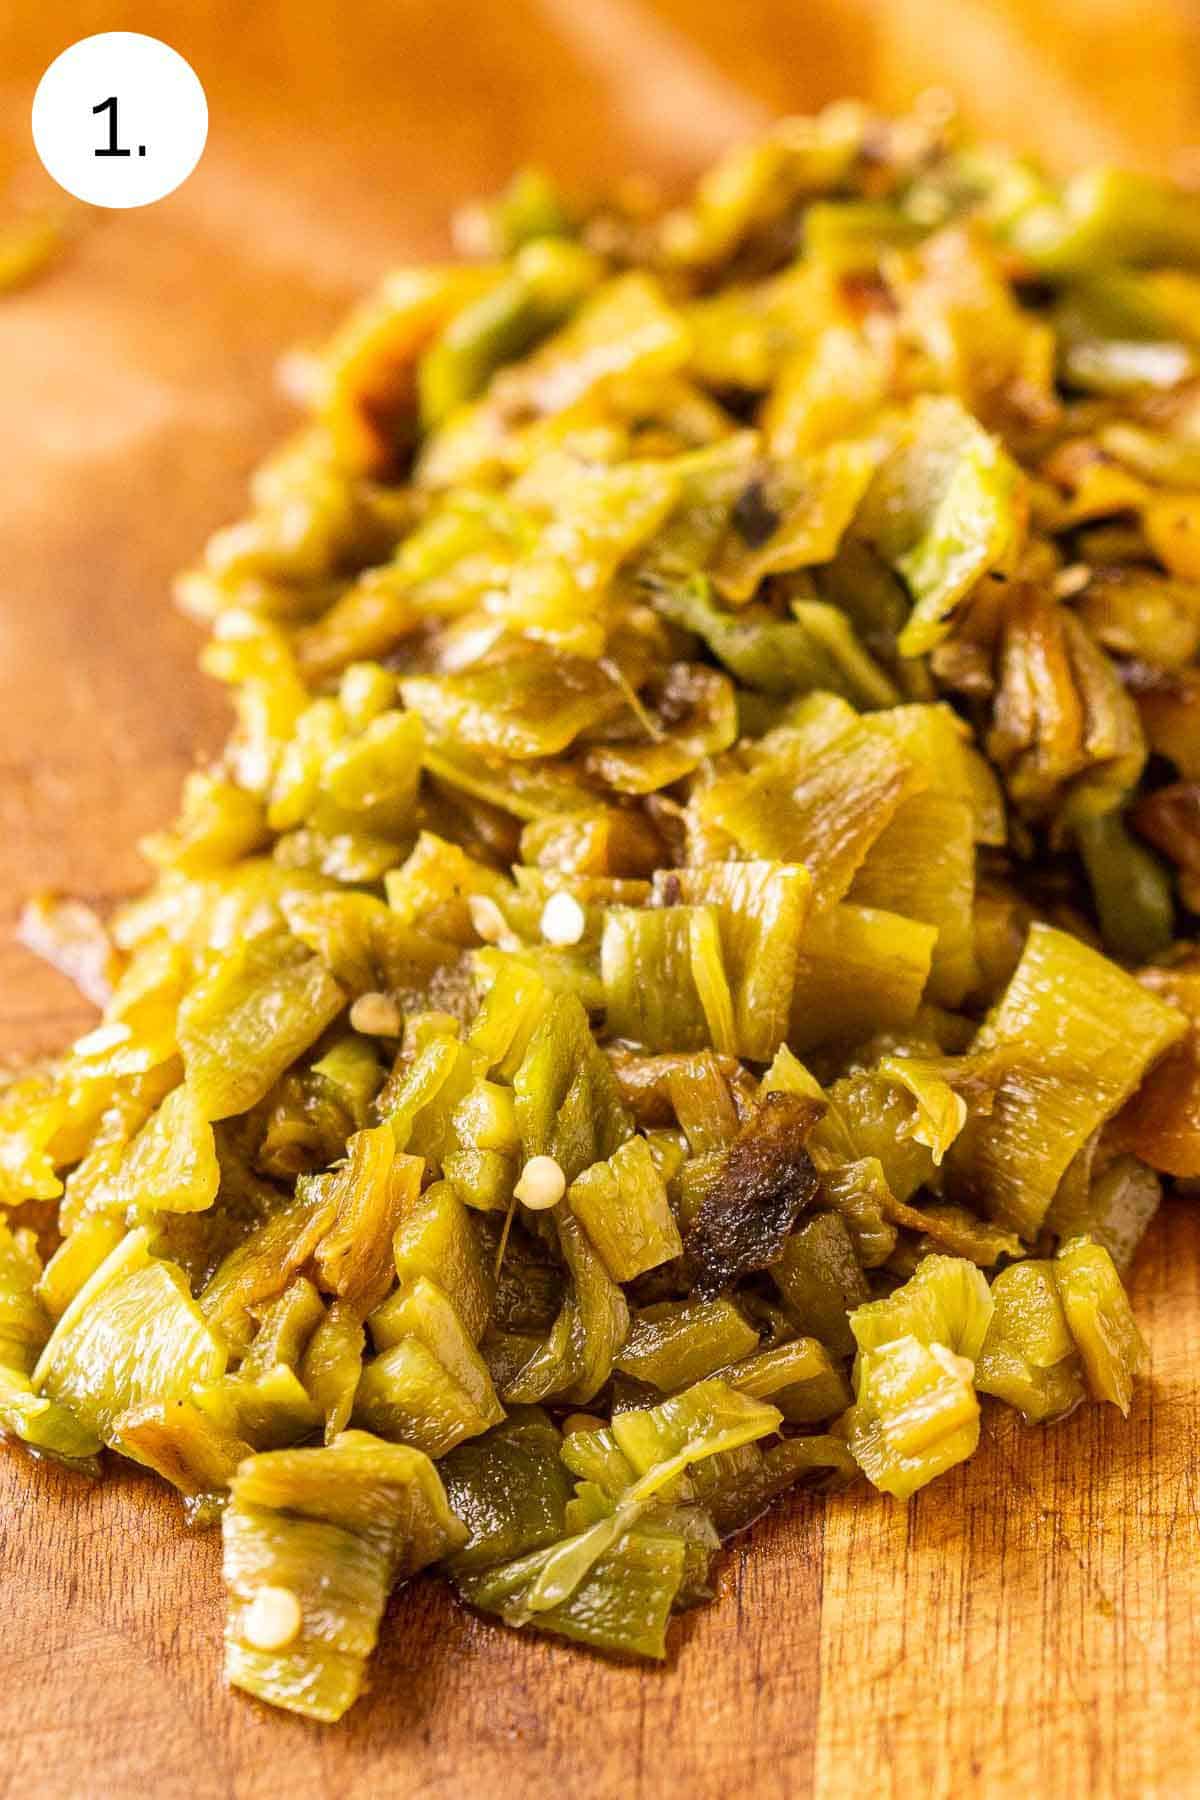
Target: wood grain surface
(1027, 1627)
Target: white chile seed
(487, 918)
(272, 1619)
(376, 1015)
(1071, 580)
(542, 1184)
(582, 1421)
(563, 919)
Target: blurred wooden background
(1027, 1626)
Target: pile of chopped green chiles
(678, 983)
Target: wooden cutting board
(1025, 1627)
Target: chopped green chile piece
(957, 303)
(1111, 216)
(1080, 1033)
(529, 208)
(761, 907)
(351, 1070)
(914, 1416)
(420, 1308)
(24, 1323)
(681, 1341)
(136, 1339)
(483, 1179)
(517, 1359)
(411, 1395)
(945, 509)
(240, 1028)
(940, 1111)
(1159, 457)
(1161, 1124)
(1130, 886)
(822, 1281)
(747, 190)
(688, 1523)
(944, 1226)
(366, 947)
(624, 334)
(765, 1181)
(423, 1311)
(361, 387)
(859, 1192)
(335, 1529)
(594, 1523)
(567, 1100)
(435, 885)
(1100, 1320)
(814, 649)
(269, 1408)
(219, 823)
(622, 1605)
(817, 1461)
(171, 1165)
(698, 1092)
(365, 691)
(858, 971)
(547, 280)
(308, 1126)
(31, 1114)
(798, 1377)
(369, 782)
(486, 1118)
(662, 1441)
(1114, 339)
(529, 1285)
(577, 1357)
(834, 386)
(43, 1424)
(1067, 736)
(1028, 1357)
(262, 1265)
(181, 1444)
(528, 705)
(593, 1455)
(947, 1302)
(515, 1001)
(622, 1204)
(626, 329)
(936, 739)
(664, 976)
(601, 1313)
(421, 1098)
(1113, 1208)
(370, 1193)
(509, 1488)
(818, 792)
(647, 1451)
(877, 1116)
(332, 1365)
(808, 502)
(737, 1486)
(923, 867)
(1136, 612)
(436, 1239)
(856, 233)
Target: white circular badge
(120, 119)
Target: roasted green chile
(673, 990)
